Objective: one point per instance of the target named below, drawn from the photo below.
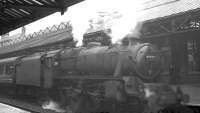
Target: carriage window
(9, 69)
(193, 55)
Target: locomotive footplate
(90, 77)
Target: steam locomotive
(90, 79)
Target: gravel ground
(9, 109)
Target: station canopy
(158, 9)
(17, 13)
(164, 18)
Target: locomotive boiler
(140, 60)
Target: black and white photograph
(99, 56)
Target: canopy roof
(158, 9)
(17, 13)
(169, 18)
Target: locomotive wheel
(82, 103)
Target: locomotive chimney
(129, 39)
(134, 37)
(134, 41)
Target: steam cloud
(52, 105)
(120, 27)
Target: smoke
(80, 14)
(128, 23)
(52, 105)
(124, 26)
(148, 92)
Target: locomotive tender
(92, 77)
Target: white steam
(80, 14)
(123, 27)
(148, 92)
(52, 105)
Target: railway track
(24, 105)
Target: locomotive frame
(61, 75)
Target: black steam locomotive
(89, 79)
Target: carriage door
(179, 59)
(194, 57)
